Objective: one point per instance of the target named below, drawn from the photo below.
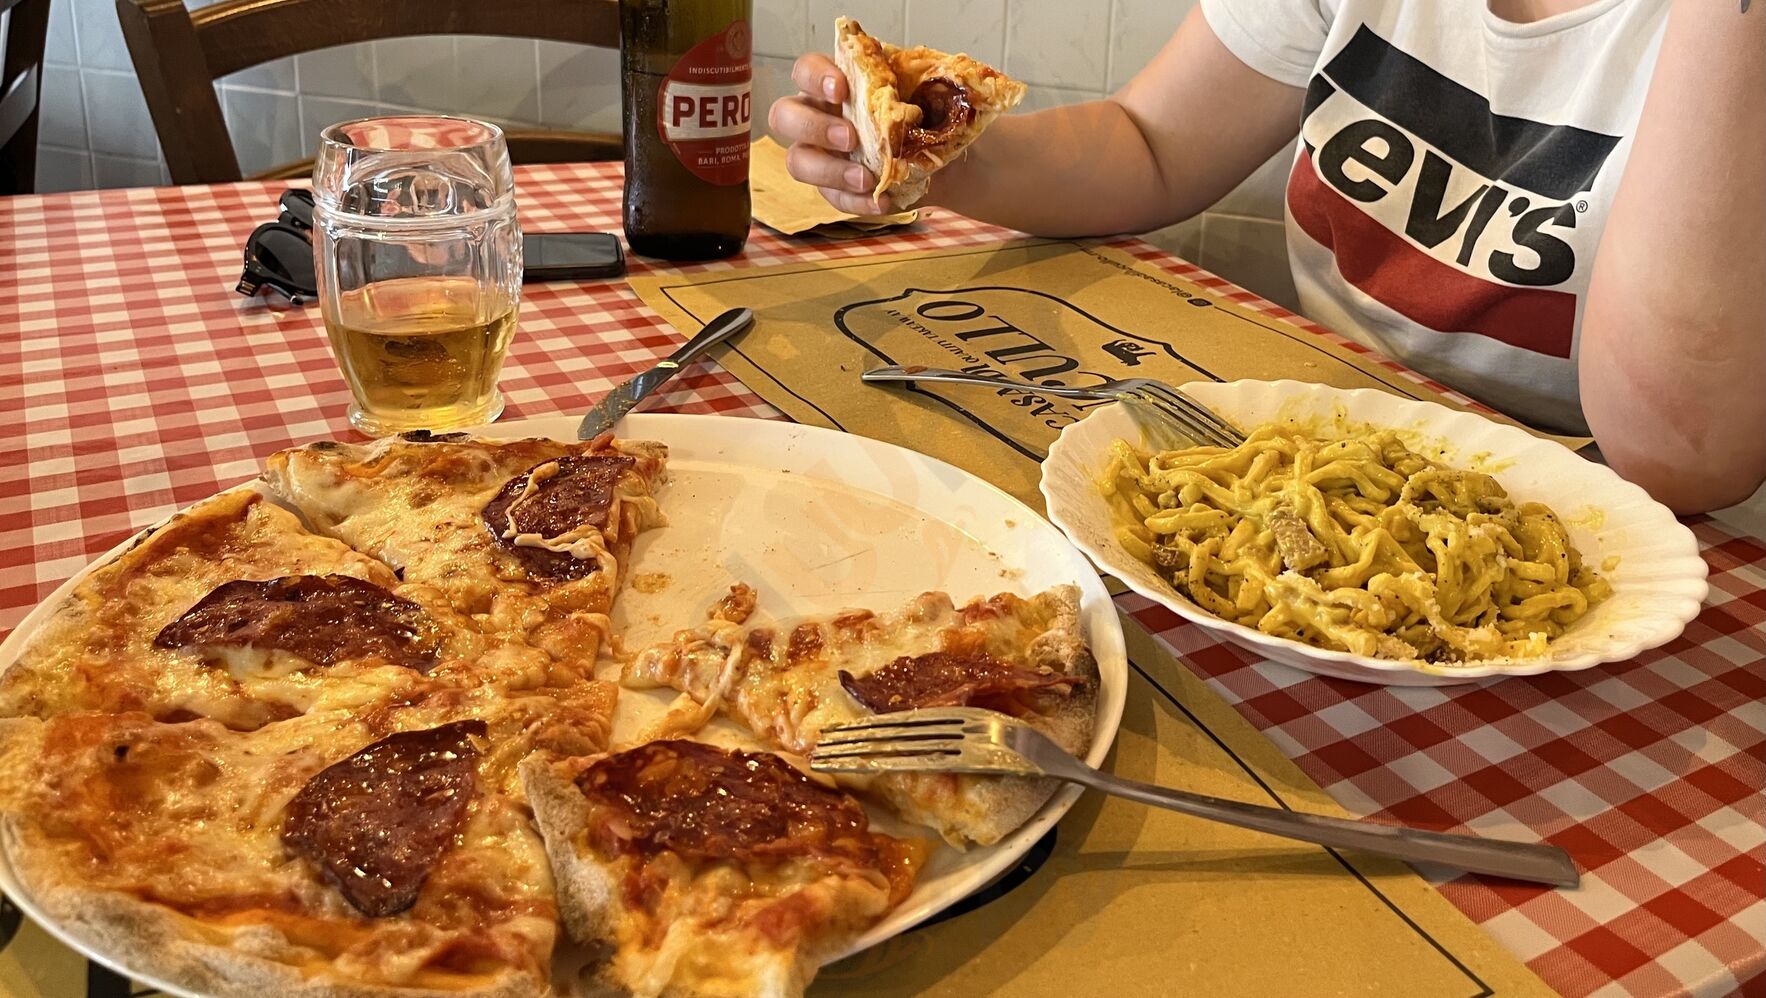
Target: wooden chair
(179, 53)
(21, 90)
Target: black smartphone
(570, 256)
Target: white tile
(1250, 252)
(781, 28)
(61, 117)
(772, 80)
(579, 87)
(977, 28)
(317, 112)
(1262, 194)
(880, 18)
(265, 126)
(1037, 97)
(417, 72)
(1140, 29)
(125, 171)
(1183, 239)
(497, 79)
(60, 46)
(277, 74)
(1062, 43)
(61, 170)
(100, 34)
(116, 115)
(338, 71)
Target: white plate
(1651, 559)
(816, 521)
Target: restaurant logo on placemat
(1458, 218)
(995, 332)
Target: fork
(970, 740)
(1192, 418)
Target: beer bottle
(686, 81)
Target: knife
(623, 399)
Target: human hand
(820, 138)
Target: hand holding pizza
(870, 126)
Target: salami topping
(377, 822)
(704, 802)
(943, 679)
(549, 506)
(944, 111)
(321, 618)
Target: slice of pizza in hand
(321, 856)
(1022, 657)
(915, 109)
(708, 872)
(528, 537)
(233, 610)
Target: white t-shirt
(1453, 176)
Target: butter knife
(624, 398)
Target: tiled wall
(96, 131)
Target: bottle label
(704, 108)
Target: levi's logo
(1454, 216)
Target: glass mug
(419, 267)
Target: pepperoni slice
(943, 679)
(944, 111)
(324, 619)
(377, 822)
(705, 802)
(579, 492)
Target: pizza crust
(148, 939)
(881, 84)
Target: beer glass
(419, 267)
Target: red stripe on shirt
(1419, 287)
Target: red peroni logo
(709, 110)
(692, 111)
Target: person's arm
(1673, 348)
(1182, 133)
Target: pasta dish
(1358, 544)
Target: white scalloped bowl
(1649, 557)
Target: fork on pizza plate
(971, 740)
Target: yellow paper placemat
(1075, 313)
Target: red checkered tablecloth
(134, 382)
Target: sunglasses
(279, 254)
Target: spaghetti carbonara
(1358, 544)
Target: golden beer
(419, 265)
(421, 352)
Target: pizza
(1023, 657)
(709, 871)
(335, 854)
(337, 734)
(231, 610)
(915, 109)
(527, 537)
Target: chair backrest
(21, 90)
(179, 53)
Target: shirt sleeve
(1281, 39)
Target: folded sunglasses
(279, 254)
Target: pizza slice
(527, 537)
(1023, 657)
(709, 872)
(915, 109)
(321, 856)
(232, 610)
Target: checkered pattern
(134, 382)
